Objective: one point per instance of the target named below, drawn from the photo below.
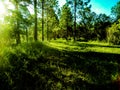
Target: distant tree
(92, 26)
(65, 20)
(116, 10)
(50, 9)
(86, 20)
(35, 13)
(53, 23)
(19, 20)
(34, 3)
(77, 5)
(50, 16)
(113, 33)
(43, 4)
(102, 22)
(17, 16)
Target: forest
(47, 47)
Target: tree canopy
(116, 10)
(47, 20)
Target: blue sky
(99, 6)
(103, 6)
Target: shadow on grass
(39, 66)
(90, 45)
(98, 69)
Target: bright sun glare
(2, 9)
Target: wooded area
(45, 46)
(74, 21)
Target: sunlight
(62, 2)
(2, 9)
(4, 6)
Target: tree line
(73, 21)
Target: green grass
(61, 65)
(85, 46)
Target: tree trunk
(26, 34)
(42, 20)
(35, 12)
(47, 25)
(18, 41)
(74, 32)
(67, 30)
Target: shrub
(113, 34)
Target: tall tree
(18, 18)
(50, 8)
(17, 25)
(17, 15)
(100, 25)
(34, 4)
(66, 19)
(53, 23)
(85, 16)
(35, 12)
(116, 10)
(43, 20)
(77, 5)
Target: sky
(62, 2)
(103, 6)
(99, 6)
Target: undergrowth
(36, 66)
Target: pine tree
(76, 5)
(66, 19)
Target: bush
(113, 34)
(26, 70)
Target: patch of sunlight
(97, 43)
(85, 46)
(105, 50)
(67, 47)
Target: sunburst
(2, 9)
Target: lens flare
(2, 9)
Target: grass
(85, 46)
(61, 65)
(94, 62)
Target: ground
(61, 65)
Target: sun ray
(4, 6)
(2, 9)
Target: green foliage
(5, 42)
(52, 23)
(5, 85)
(5, 35)
(88, 25)
(116, 10)
(114, 33)
(65, 22)
(101, 23)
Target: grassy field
(96, 63)
(61, 65)
(85, 46)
